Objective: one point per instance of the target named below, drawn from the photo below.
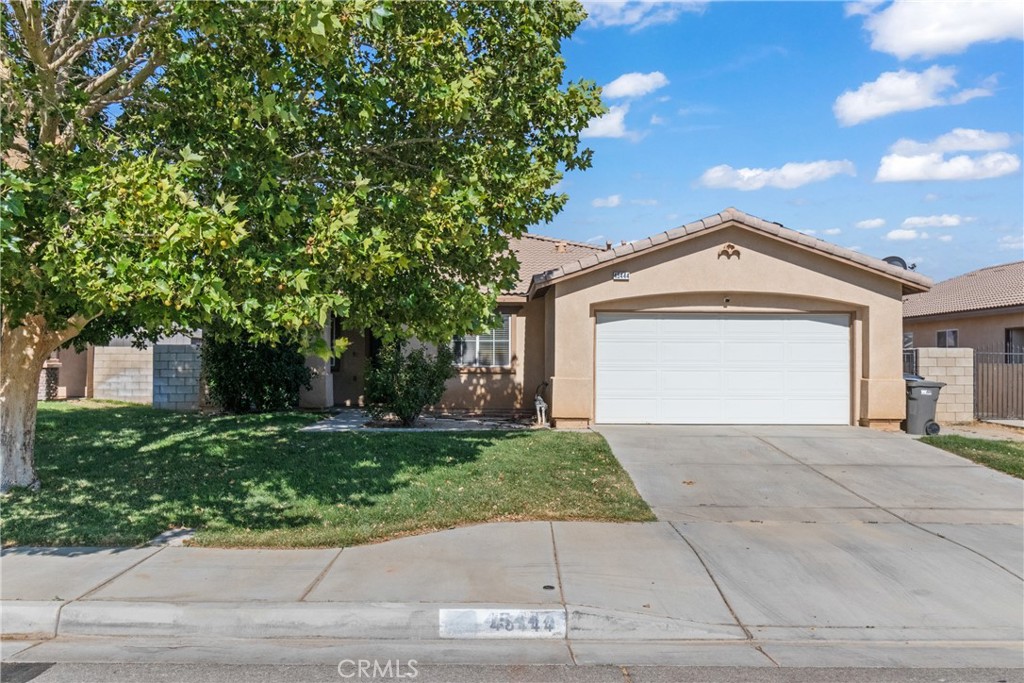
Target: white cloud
(636, 14)
(634, 84)
(612, 124)
(831, 231)
(944, 221)
(864, 8)
(870, 223)
(657, 120)
(644, 202)
(1012, 242)
(956, 140)
(896, 91)
(902, 235)
(896, 168)
(945, 238)
(787, 177)
(608, 202)
(931, 197)
(928, 29)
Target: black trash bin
(922, 398)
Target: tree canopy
(260, 166)
(267, 164)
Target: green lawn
(117, 474)
(1005, 456)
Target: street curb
(592, 623)
(29, 618)
(367, 621)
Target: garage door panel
(689, 328)
(630, 382)
(758, 382)
(625, 326)
(819, 353)
(810, 382)
(733, 369)
(697, 410)
(816, 410)
(756, 410)
(635, 411)
(622, 352)
(692, 353)
(755, 352)
(689, 382)
(817, 325)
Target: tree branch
(123, 90)
(105, 81)
(68, 18)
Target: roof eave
(913, 283)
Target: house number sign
(620, 276)
(502, 623)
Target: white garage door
(723, 369)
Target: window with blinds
(492, 349)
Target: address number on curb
(502, 623)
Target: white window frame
(476, 341)
(942, 339)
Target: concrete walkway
(791, 547)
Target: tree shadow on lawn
(121, 475)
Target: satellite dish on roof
(896, 261)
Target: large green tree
(264, 165)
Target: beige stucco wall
(954, 367)
(495, 390)
(73, 371)
(769, 276)
(985, 332)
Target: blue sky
(890, 128)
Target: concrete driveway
(817, 532)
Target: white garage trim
(722, 369)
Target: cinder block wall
(123, 373)
(955, 367)
(176, 376)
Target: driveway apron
(838, 533)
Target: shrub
(245, 377)
(403, 384)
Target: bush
(245, 377)
(404, 384)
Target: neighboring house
(165, 374)
(727, 320)
(981, 310)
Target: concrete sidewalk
(631, 594)
(812, 546)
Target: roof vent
(561, 247)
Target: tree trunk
(23, 350)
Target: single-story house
(982, 310)
(726, 320)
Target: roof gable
(912, 282)
(539, 254)
(992, 287)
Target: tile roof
(539, 254)
(992, 287)
(912, 281)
